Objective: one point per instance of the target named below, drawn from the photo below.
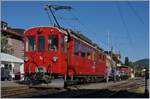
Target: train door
(63, 52)
(40, 55)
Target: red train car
(126, 71)
(52, 52)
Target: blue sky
(126, 22)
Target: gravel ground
(99, 90)
(93, 90)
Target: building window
(63, 44)
(89, 53)
(4, 25)
(30, 44)
(52, 42)
(41, 43)
(82, 50)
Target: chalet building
(16, 41)
(116, 58)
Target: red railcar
(52, 52)
(126, 70)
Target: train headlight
(41, 58)
(26, 58)
(51, 30)
(55, 58)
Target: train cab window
(82, 51)
(52, 42)
(63, 44)
(30, 44)
(41, 43)
(88, 53)
(76, 47)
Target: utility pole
(146, 82)
(111, 55)
(112, 65)
(108, 40)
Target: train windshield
(52, 42)
(30, 44)
(41, 43)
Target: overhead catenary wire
(84, 26)
(124, 24)
(77, 19)
(125, 27)
(67, 21)
(136, 14)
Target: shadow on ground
(93, 93)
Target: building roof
(16, 33)
(9, 58)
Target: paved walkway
(10, 84)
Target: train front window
(30, 44)
(52, 42)
(41, 43)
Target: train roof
(83, 37)
(75, 33)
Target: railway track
(112, 92)
(74, 91)
(120, 90)
(79, 91)
(16, 92)
(27, 92)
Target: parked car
(5, 74)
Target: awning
(9, 58)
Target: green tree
(131, 64)
(126, 61)
(5, 47)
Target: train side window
(52, 42)
(103, 57)
(93, 55)
(100, 56)
(63, 44)
(89, 53)
(41, 43)
(82, 50)
(30, 43)
(76, 48)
